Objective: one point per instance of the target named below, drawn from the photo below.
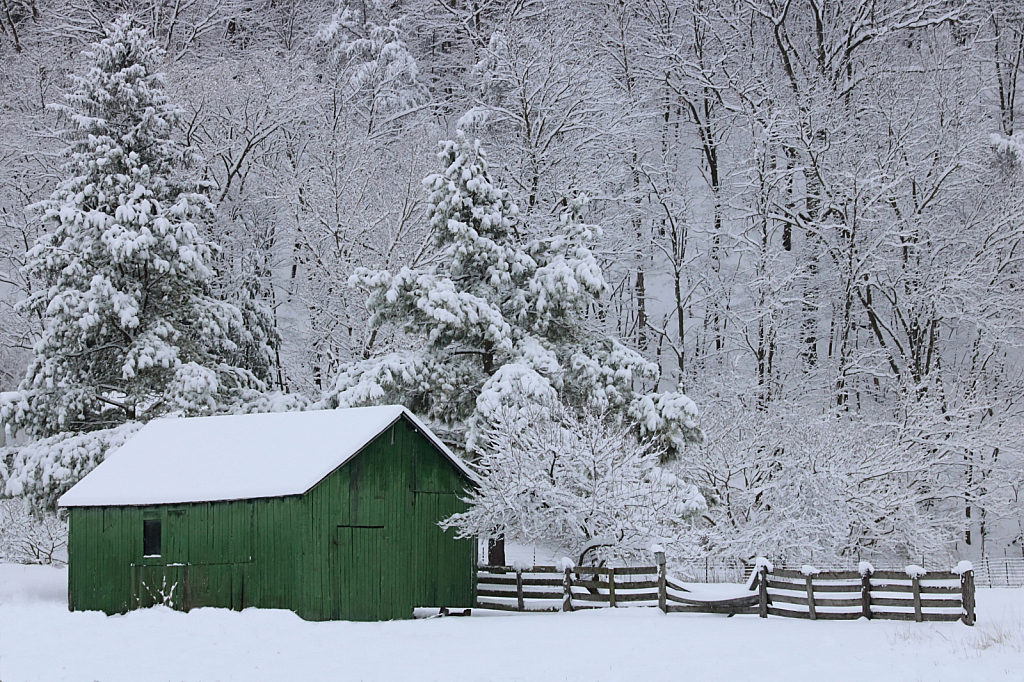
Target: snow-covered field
(40, 640)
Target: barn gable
(238, 457)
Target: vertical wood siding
(309, 553)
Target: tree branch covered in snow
(27, 538)
(500, 320)
(43, 470)
(583, 482)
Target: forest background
(811, 217)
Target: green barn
(332, 514)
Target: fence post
(567, 590)
(519, 588)
(810, 599)
(611, 586)
(865, 594)
(662, 582)
(967, 596)
(916, 583)
(763, 590)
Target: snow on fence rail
(912, 594)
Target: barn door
(358, 574)
(448, 574)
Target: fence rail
(883, 595)
(827, 595)
(593, 587)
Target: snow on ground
(40, 640)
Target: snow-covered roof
(237, 457)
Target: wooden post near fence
(567, 590)
(611, 587)
(915, 582)
(662, 582)
(520, 602)
(762, 589)
(967, 597)
(810, 599)
(865, 594)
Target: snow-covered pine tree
(499, 321)
(121, 278)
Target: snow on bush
(27, 538)
(1010, 147)
(809, 488)
(583, 482)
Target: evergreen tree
(499, 321)
(122, 276)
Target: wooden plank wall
(281, 552)
(403, 484)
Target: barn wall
(100, 556)
(289, 552)
(206, 559)
(402, 485)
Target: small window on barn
(151, 537)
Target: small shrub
(26, 538)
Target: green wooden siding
(313, 553)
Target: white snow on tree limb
(583, 482)
(497, 321)
(45, 469)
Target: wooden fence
(833, 595)
(548, 588)
(848, 595)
